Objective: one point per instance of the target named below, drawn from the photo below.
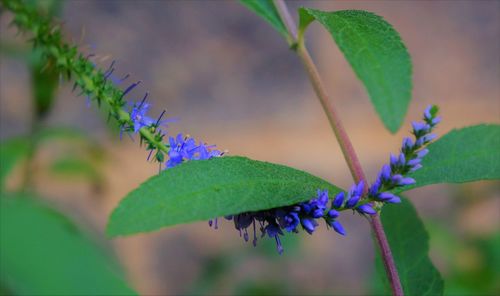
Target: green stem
(48, 38)
(344, 142)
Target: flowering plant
(275, 199)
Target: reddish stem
(344, 142)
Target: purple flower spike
(420, 141)
(366, 209)
(402, 159)
(386, 172)
(352, 201)
(373, 191)
(289, 221)
(436, 120)
(427, 112)
(339, 200)
(393, 160)
(420, 127)
(318, 213)
(337, 227)
(429, 137)
(385, 196)
(333, 214)
(306, 214)
(406, 181)
(394, 200)
(422, 153)
(185, 148)
(415, 167)
(396, 179)
(360, 188)
(309, 225)
(407, 144)
(322, 198)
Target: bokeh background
(230, 79)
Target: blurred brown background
(231, 81)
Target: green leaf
(267, 10)
(11, 152)
(464, 155)
(409, 244)
(205, 189)
(61, 133)
(43, 253)
(76, 167)
(377, 55)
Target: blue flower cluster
(305, 215)
(185, 148)
(274, 222)
(392, 175)
(180, 148)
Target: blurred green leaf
(463, 155)
(62, 133)
(377, 55)
(11, 152)
(76, 167)
(267, 10)
(43, 253)
(409, 244)
(262, 287)
(51, 7)
(13, 50)
(205, 189)
(473, 263)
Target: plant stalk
(344, 142)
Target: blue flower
(339, 200)
(309, 224)
(185, 149)
(385, 196)
(366, 209)
(139, 117)
(355, 194)
(288, 220)
(337, 227)
(409, 160)
(273, 221)
(206, 152)
(273, 230)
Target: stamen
(159, 118)
(110, 68)
(132, 86)
(254, 235)
(107, 74)
(245, 235)
(279, 247)
(143, 100)
(124, 78)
